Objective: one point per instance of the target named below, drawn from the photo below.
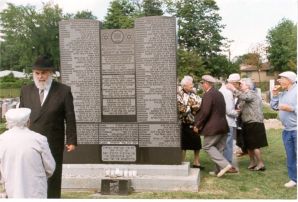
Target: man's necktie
(41, 94)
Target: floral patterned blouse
(188, 105)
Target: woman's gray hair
(248, 82)
(186, 80)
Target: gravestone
(124, 87)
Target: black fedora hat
(43, 62)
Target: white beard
(41, 85)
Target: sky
(247, 22)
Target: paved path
(272, 123)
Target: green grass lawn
(9, 93)
(245, 185)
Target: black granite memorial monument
(124, 87)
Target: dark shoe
(259, 168)
(201, 167)
(232, 170)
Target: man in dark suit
(52, 105)
(211, 122)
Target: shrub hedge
(269, 113)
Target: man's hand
(230, 87)
(70, 147)
(276, 89)
(285, 107)
(195, 129)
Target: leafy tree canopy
(152, 8)
(282, 51)
(121, 15)
(189, 63)
(199, 25)
(28, 33)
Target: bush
(269, 113)
(264, 86)
(2, 127)
(6, 82)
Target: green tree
(28, 33)
(221, 66)
(189, 63)
(282, 51)
(16, 23)
(121, 15)
(152, 8)
(85, 14)
(199, 25)
(46, 34)
(256, 57)
(199, 30)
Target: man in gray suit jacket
(52, 109)
(211, 122)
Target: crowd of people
(219, 114)
(31, 150)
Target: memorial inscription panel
(118, 75)
(119, 153)
(80, 64)
(115, 106)
(156, 69)
(118, 86)
(88, 133)
(159, 135)
(118, 134)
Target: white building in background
(16, 74)
(22, 75)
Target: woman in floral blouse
(188, 105)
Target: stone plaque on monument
(159, 135)
(118, 75)
(156, 69)
(119, 153)
(80, 65)
(118, 134)
(124, 87)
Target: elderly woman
(188, 105)
(254, 132)
(26, 161)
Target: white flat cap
(209, 78)
(234, 77)
(289, 75)
(18, 115)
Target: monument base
(143, 178)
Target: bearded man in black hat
(51, 104)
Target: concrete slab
(143, 177)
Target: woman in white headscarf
(25, 158)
